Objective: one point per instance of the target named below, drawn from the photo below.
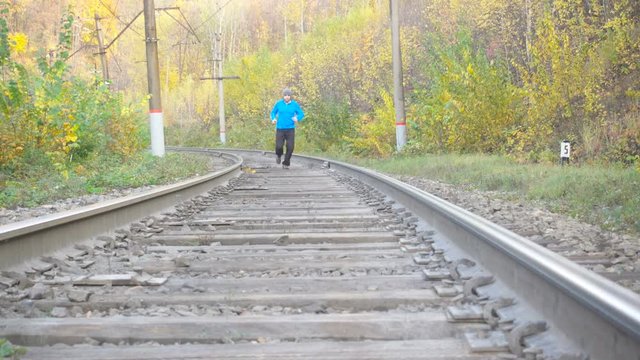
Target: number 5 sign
(565, 151)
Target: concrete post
(153, 77)
(398, 90)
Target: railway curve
(324, 260)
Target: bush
(48, 116)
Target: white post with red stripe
(398, 90)
(401, 135)
(156, 123)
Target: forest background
(493, 76)
(502, 77)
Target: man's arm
(274, 113)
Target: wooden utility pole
(102, 51)
(398, 90)
(153, 77)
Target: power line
(193, 30)
(113, 13)
(186, 27)
(212, 15)
(124, 29)
(188, 24)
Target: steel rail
(27, 240)
(601, 317)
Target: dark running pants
(289, 136)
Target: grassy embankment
(41, 184)
(608, 196)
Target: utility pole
(102, 51)
(398, 90)
(156, 123)
(217, 58)
(153, 77)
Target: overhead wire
(186, 27)
(119, 19)
(183, 40)
(188, 24)
(212, 15)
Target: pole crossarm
(221, 78)
(165, 9)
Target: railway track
(614, 256)
(321, 261)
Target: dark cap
(286, 92)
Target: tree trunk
(528, 33)
(302, 18)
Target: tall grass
(43, 184)
(608, 196)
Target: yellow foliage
(445, 96)
(87, 11)
(377, 132)
(170, 78)
(18, 42)
(11, 147)
(71, 135)
(123, 134)
(81, 170)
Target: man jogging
(285, 114)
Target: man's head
(286, 92)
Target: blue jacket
(285, 113)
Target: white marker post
(156, 125)
(565, 152)
(398, 90)
(156, 122)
